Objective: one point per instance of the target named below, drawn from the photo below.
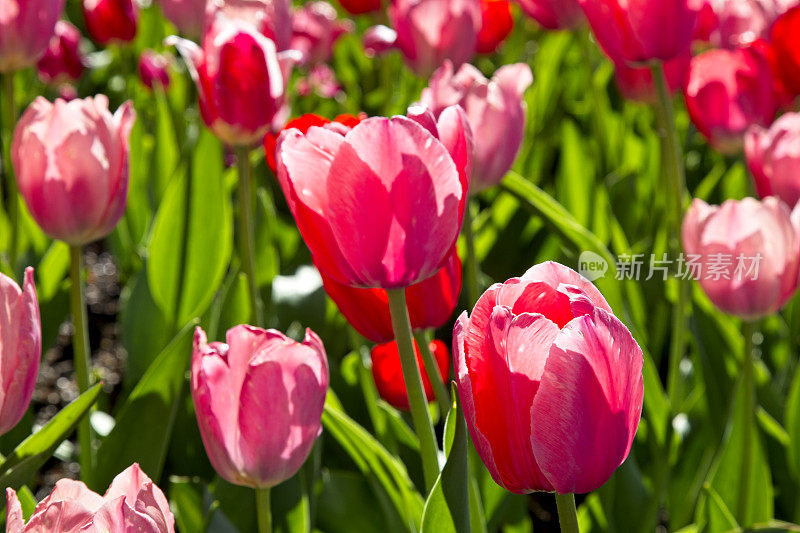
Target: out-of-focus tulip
(359, 7)
(72, 165)
(554, 14)
(272, 18)
(315, 29)
(727, 91)
(187, 15)
(430, 302)
(110, 21)
(20, 349)
(637, 31)
(740, 22)
(550, 380)
(496, 25)
(259, 402)
(496, 112)
(773, 156)
(63, 60)
(26, 27)
(785, 49)
(241, 79)
(382, 204)
(132, 503)
(388, 374)
(707, 21)
(636, 83)
(427, 32)
(153, 69)
(321, 79)
(749, 253)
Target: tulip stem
(432, 369)
(8, 116)
(264, 511)
(471, 270)
(247, 233)
(748, 382)
(567, 513)
(81, 356)
(416, 395)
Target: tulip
(786, 54)
(259, 402)
(26, 27)
(359, 7)
(62, 61)
(72, 165)
(726, 92)
(315, 29)
(748, 252)
(187, 15)
(496, 112)
(773, 156)
(272, 18)
(554, 14)
(380, 205)
(427, 32)
(241, 79)
(496, 25)
(20, 348)
(740, 22)
(388, 375)
(321, 79)
(636, 83)
(639, 31)
(153, 69)
(550, 381)
(109, 21)
(430, 303)
(132, 503)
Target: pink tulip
(259, 402)
(638, 31)
(187, 15)
(427, 32)
(495, 109)
(636, 83)
(20, 348)
(550, 380)
(740, 22)
(272, 18)
(749, 251)
(153, 69)
(63, 60)
(72, 165)
(380, 205)
(727, 91)
(315, 29)
(773, 156)
(132, 503)
(110, 21)
(26, 27)
(241, 79)
(554, 14)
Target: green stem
(416, 395)
(81, 356)
(247, 238)
(471, 267)
(8, 114)
(567, 513)
(264, 511)
(432, 369)
(748, 382)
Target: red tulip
(636, 83)
(153, 69)
(785, 40)
(359, 7)
(63, 60)
(496, 25)
(111, 20)
(388, 374)
(554, 14)
(26, 27)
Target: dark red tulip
(63, 61)
(497, 24)
(111, 20)
(358, 7)
(388, 374)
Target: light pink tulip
(381, 204)
(495, 109)
(72, 165)
(554, 14)
(20, 348)
(259, 401)
(749, 251)
(26, 27)
(773, 156)
(315, 29)
(272, 18)
(550, 380)
(187, 15)
(132, 503)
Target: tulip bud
(550, 382)
(62, 61)
(388, 374)
(748, 252)
(773, 156)
(109, 21)
(554, 14)
(636, 83)
(26, 27)
(153, 69)
(315, 29)
(359, 7)
(187, 15)
(72, 165)
(496, 25)
(259, 401)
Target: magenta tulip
(380, 205)
(111, 21)
(72, 165)
(773, 156)
(259, 401)
(62, 61)
(26, 27)
(315, 29)
(636, 83)
(272, 18)
(153, 69)
(550, 380)
(496, 112)
(132, 503)
(554, 14)
(187, 15)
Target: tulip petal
(15, 522)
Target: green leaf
(792, 421)
(576, 173)
(51, 270)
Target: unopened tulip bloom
(259, 401)
(26, 27)
(786, 53)
(315, 29)
(72, 165)
(132, 503)
(187, 15)
(388, 375)
(109, 21)
(496, 24)
(359, 7)
(63, 60)
(496, 112)
(550, 381)
(554, 14)
(20, 348)
(749, 251)
(636, 83)
(153, 69)
(773, 156)
(380, 205)
(272, 18)
(727, 91)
